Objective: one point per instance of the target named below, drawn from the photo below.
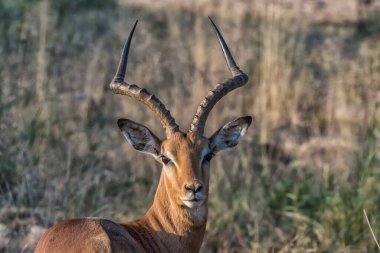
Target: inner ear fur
(140, 137)
(229, 134)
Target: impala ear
(140, 137)
(230, 134)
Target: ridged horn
(239, 78)
(119, 86)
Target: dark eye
(164, 159)
(208, 157)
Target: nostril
(189, 187)
(198, 188)
(194, 187)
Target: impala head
(185, 156)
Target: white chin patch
(193, 204)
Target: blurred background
(299, 180)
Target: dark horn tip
(120, 74)
(134, 26)
(213, 24)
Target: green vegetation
(298, 182)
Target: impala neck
(176, 227)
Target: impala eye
(208, 157)
(164, 159)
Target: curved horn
(239, 78)
(119, 86)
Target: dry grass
(297, 183)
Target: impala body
(176, 221)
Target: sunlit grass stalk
(370, 228)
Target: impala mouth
(193, 202)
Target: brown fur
(176, 221)
(168, 226)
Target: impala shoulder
(121, 240)
(78, 235)
(75, 235)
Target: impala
(176, 221)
